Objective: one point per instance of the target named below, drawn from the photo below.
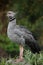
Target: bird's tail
(33, 45)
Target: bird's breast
(10, 29)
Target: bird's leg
(20, 54)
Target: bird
(21, 35)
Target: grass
(32, 59)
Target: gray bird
(21, 35)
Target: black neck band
(12, 19)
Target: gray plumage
(18, 33)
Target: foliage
(4, 5)
(9, 46)
(30, 8)
(30, 58)
(34, 59)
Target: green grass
(32, 59)
(7, 44)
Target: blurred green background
(30, 15)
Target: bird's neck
(13, 21)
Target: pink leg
(21, 51)
(21, 54)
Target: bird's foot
(19, 60)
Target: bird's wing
(22, 28)
(28, 38)
(22, 31)
(28, 35)
(18, 32)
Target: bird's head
(11, 14)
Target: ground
(11, 61)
